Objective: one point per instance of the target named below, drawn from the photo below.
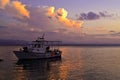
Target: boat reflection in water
(42, 69)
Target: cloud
(40, 16)
(109, 35)
(61, 15)
(3, 27)
(15, 8)
(20, 8)
(37, 24)
(50, 12)
(23, 20)
(47, 19)
(89, 16)
(60, 31)
(3, 3)
(93, 15)
(114, 33)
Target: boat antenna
(43, 35)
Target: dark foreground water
(77, 63)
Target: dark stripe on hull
(25, 55)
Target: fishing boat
(39, 49)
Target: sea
(76, 63)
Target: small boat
(40, 49)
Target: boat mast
(43, 35)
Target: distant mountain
(12, 42)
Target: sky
(78, 21)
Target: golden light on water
(60, 69)
(20, 73)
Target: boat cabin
(41, 45)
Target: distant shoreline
(102, 45)
(24, 43)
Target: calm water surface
(77, 63)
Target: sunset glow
(75, 21)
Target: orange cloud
(20, 8)
(3, 3)
(61, 15)
(61, 12)
(50, 11)
(14, 7)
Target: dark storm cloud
(94, 16)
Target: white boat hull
(30, 55)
